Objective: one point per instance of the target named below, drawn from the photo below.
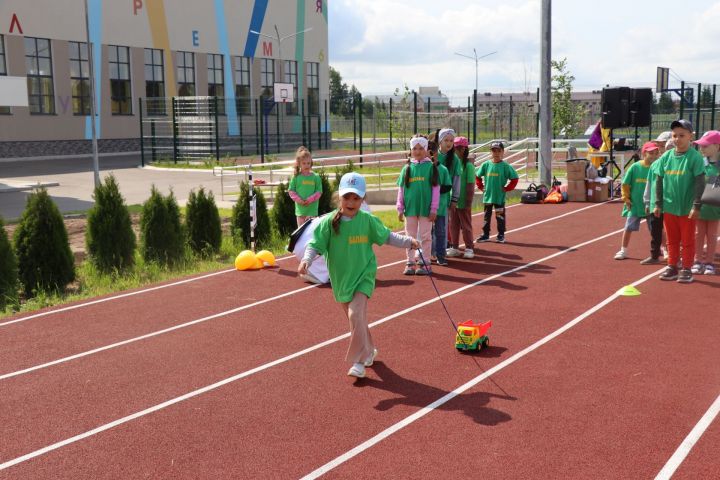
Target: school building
(157, 50)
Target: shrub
(8, 271)
(161, 234)
(240, 223)
(339, 172)
(45, 262)
(202, 221)
(109, 237)
(283, 212)
(326, 200)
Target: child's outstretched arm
(401, 241)
(310, 255)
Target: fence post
(682, 98)
(474, 116)
(354, 114)
(712, 111)
(414, 112)
(309, 129)
(428, 114)
(175, 131)
(537, 114)
(360, 125)
(153, 142)
(319, 129)
(511, 119)
(326, 124)
(278, 114)
(390, 123)
(698, 120)
(142, 143)
(217, 131)
(262, 131)
(302, 118)
(240, 123)
(468, 119)
(257, 127)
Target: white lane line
(684, 449)
(282, 360)
(461, 389)
(214, 316)
(146, 290)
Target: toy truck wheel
(486, 343)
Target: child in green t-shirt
(305, 187)
(678, 188)
(418, 200)
(495, 178)
(462, 215)
(439, 229)
(633, 189)
(346, 238)
(707, 224)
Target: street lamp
(476, 58)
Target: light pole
(279, 38)
(93, 109)
(476, 58)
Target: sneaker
(482, 238)
(452, 252)
(409, 269)
(685, 276)
(670, 273)
(620, 255)
(468, 253)
(442, 262)
(698, 268)
(369, 363)
(650, 261)
(709, 269)
(425, 270)
(357, 370)
(433, 258)
(309, 277)
(500, 239)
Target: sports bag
(532, 194)
(711, 194)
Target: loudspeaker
(616, 107)
(641, 107)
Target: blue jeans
(439, 238)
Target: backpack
(533, 194)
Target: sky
(381, 45)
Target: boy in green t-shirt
(679, 186)
(633, 189)
(346, 238)
(493, 178)
(462, 216)
(707, 224)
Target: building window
(3, 70)
(154, 82)
(216, 88)
(313, 86)
(291, 76)
(243, 92)
(120, 92)
(186, 74)
(38, 62)
(267, 81)
(80, 78)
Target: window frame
(84, 68)
(118, 102)
(154, 107)
(291, 76)
(244, 103)
(216, 87)
(182, 67)
(267, 91)
(4, 110)
(313, 78)
(33, 77)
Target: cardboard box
(597, 192)
(576, 191)
(576, 170)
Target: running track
(241, 374)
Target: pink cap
(711, 137)
(648, 147)
(460, 142)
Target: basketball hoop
(284, 92)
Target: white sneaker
(369, 363)
(698, 268)
(709, 269)
(468, 253)
(452, 252)
(357, 370)
(620, 255)
(309, 277)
